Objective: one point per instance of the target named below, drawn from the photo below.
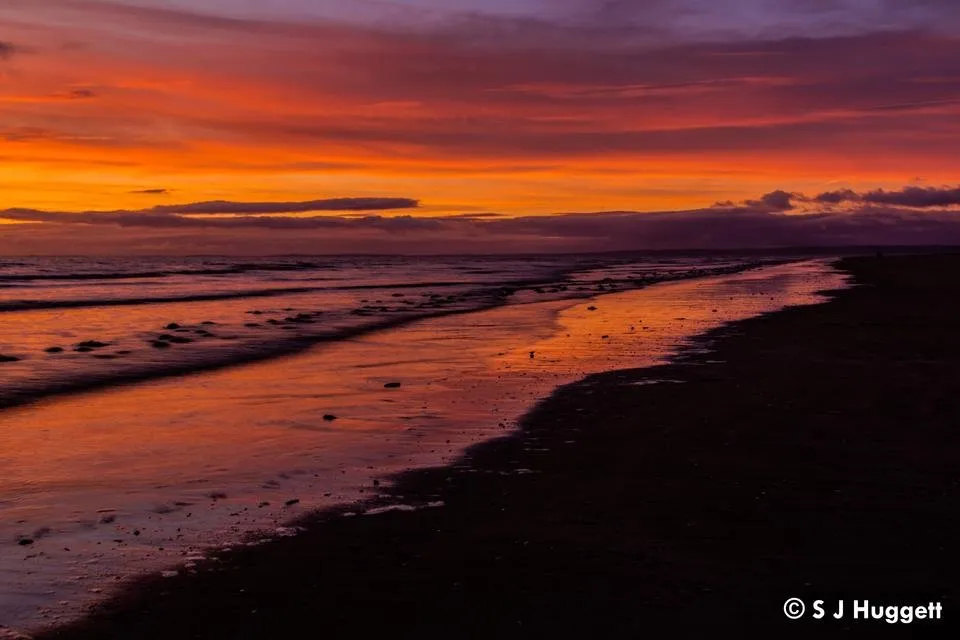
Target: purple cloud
(778, 200)
(918, 197)
(7, 50)
(222, 207)
(171, 215)
(913, 197)
(837, 197)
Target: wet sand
(811, 453)
(144, 478)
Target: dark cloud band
(913, 197)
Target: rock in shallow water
(92, 344)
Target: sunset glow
(469, 107)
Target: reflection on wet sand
(137, 478)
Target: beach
(106, 486)
(806, 453)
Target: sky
(245, 126)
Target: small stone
(329, 417)
(292, 502)
(392, 385)
(24, 542)
(172, 326)
(54, 350)
(4, 358)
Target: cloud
(222, 207)
(919, 197)
(151, 192)
(837, 197)
(778, 200)
(534, 95)
(912, 197)
(80, 94)
(7, 50)
(264, 214)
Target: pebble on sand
(329, 417)
(392, 385)
(172, 326)
(292, 502)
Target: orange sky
(102, 101)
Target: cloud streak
(176, 214)
(912, 197)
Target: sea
(155, 409)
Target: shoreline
(548, 527)
(486, 352)
(287, 346)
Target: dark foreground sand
(814, 454)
